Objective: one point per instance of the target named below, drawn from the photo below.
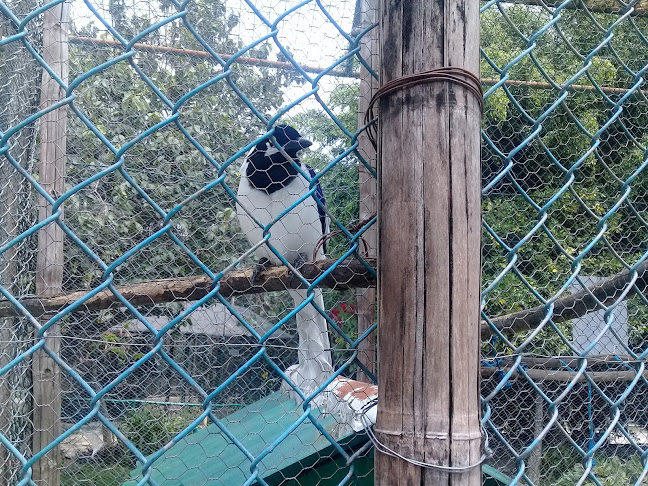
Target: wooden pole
(366, 297)
(534, 462)
(429, 247)
(49, 261)
(349, 274)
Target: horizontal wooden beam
(546, 362)
(565, 376)
(178, 51)
(348, 274)
(175, 51)
(571, 306)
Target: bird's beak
(297, 145)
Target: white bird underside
(296, 233)
(287, 235)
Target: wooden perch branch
(347, 275)
(540, 369)
(566, 376)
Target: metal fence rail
(167, 369)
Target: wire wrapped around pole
(450, 74)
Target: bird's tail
(315, 364)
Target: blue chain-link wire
(514, 380)
(525, 44)
(21, 36)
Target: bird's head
(288, 139)
(268, 168)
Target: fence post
(49, 261)
(366, 307)
(429, 246)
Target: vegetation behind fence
(163, 100)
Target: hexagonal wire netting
(169, 362)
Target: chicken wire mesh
(169, 98)
(564, 206)
(164, 101)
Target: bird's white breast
(297, 231)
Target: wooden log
(429, 257)
(534, 461)
(366, 297)
(49, 261)
(570, 361)
(175, 51)
(347, 275)
(565, 376)
(573, 305)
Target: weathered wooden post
(429, 246)
(366, 308)
(49, 262)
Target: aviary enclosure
(137, 348)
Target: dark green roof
(208, 456)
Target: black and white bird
(271, 185)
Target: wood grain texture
(49, 263)
(366, 298)
(349, 274)
(565, 376)
(429, 237)
(574, 305)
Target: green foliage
(94, 475)
(340, 182)
(150, 428)
(562, 466)
(533, 185)
(610, 471)
(109, 215)
(556, 461)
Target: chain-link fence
(164, 101)
(172, 362)
(564, 205)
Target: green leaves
(540, 149)
(112, 215)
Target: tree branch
(348, 274)
(571, 306)
(565, 376)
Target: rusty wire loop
(450, 74)
(352, 229)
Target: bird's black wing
(319, 197)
